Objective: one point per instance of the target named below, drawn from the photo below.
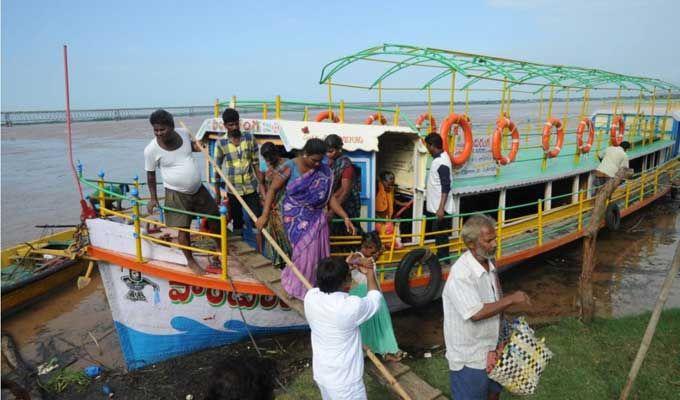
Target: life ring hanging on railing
(324, 115)
(464, 122)
(585, 123)
(617, 130)
(547, 133)
(426, 116)
(501, 125)
(376, 117)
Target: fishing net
(522, 361)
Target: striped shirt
(238, 162)
(468, 287)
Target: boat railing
(513, 234)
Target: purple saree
(305, 221)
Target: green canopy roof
(477, 67)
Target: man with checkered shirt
(473, 303)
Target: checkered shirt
(238, 162)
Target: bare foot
(396, 357)
(196, 268)
(215, 260)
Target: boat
(534, 176)
(32, 270)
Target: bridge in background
(10, 118)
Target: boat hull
(157, 319)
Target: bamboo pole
(651, 326)
(378, 364)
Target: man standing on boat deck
(614, 158)
(173, 153)
(438, 196)
(239, 153)
(334, 318)
(473, 303)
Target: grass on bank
(590, 362)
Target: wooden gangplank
(270, 276)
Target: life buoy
(585, 123)
(464, 122)
(617, 130)
(547, 132)
(324, 115)
(501, 125)
(426, 116)
(413, 260)
(376, 117)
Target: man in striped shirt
(473, 304)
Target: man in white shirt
(438, 195)
(614, 158)
(173, 153)
(334, 318)
(473, 304)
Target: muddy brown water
(36, 185)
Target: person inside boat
(275, 167)
(172, 152)
(308, 195)
(110, 202)
(438, 195)
(377, 332)
(238, 156)
(473, 304)
(346, 184)
(385, 201)
(614, 158)
(335, 318)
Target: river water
(37, 188)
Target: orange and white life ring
(585, 123)
(501, 125)
(464, 122)
(547, 132)
(426, 116)
(376, 117)
(324, 115)
(617, 130)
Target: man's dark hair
(162, 117)
(230, 115)
(269, 151)
(625, 145)
(243, 378)
(371, 238)
(434, 140)
(334, 141)
(331, 274)
(385, 175)
(314, 147)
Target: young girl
(377, 332)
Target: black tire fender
(612, 217)
(411, 261)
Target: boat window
(561, 190)
(636, 164)
(480, 202)
(523, 195)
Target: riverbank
(590, 362)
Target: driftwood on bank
(17, 377)
(590, 241)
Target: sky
(175, 53)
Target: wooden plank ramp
(264, 271)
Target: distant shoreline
(10, 118)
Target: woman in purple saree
(308, 183)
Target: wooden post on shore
(590, 241)
(651, 326)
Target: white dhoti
(355, 391)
